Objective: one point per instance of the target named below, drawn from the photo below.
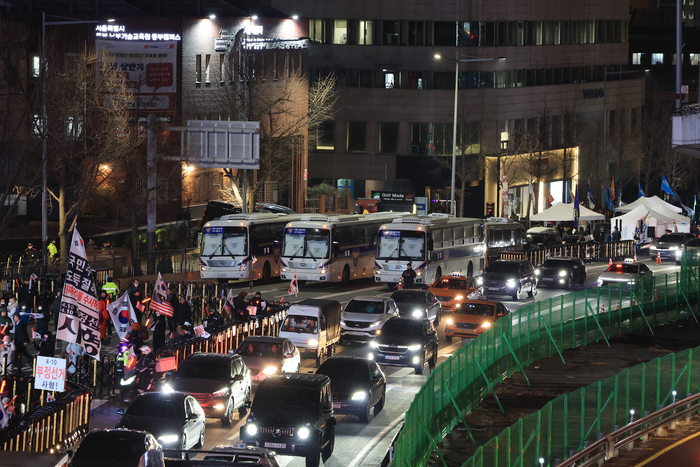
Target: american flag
(161, 306)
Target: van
(543, 237)
(313, 325)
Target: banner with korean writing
(78, 321)
(50, 374)
(122, 314)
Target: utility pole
(151, 192)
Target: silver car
(363, 317)
(628, 275)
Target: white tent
(562, 212)
(651, 218)
(651, 202)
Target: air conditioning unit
(415, 149)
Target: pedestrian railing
(536, 331)
(588, 252)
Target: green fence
(535, 331)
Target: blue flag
(641, 192)
(577, 209)
(665, 187)
(591, 203)
(608, 199)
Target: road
(355, 440)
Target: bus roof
(433, 220)
(253, 218)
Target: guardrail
(593, 423)
(588, 252)
(534, 332)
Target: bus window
(458, 235)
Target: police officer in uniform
(408, 276)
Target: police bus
(435, 244)
(502, 235)
(243, 246)
(332, 248)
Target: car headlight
(479, 281)
(679, 253)
(270, 370)
(220, 392)
(537, 272)
(342, 323)
(510, 283)
(370, 356)
(562, 273)
(128, 381)
(219, 407)
(486, 325)
(373, 344)
(168, 439)
(652, 247)
(323, 271)
(673, 248)
(244, 266)
(283, 269)
(167, 388)
(459, 297)
(414, 347)
(251, 429)
(449, 322)
(358, 396)
(313, 342)
(417, 314)
(419, 273)
(303, 432)
(376, 323)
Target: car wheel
(227, 419)
(532, 291)
(314, 457)
(380, 405)
(243, 410)
(364, 415)
(391, 286)
(345, 278)
(448, 339)
(516, 294)
(419, 368)
(438, 317)
(328, 450)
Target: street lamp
(44, 129)
(457, 61)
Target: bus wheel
(265, 278)
(346, 276)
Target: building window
(445, 33)
(357, 136)
(637, 58)
(505, 135)
(390, 79)
(198, 69)
(657, 59)
(317, 30)
(388, 137)
(421, 139)
(538, 32)
(206, 72)
(693, 59)
(340, 31)
(415, 33)
(36, 66)
(520, 33)
(556, 30)
(222, 68)
(325, 136)
(392, 32)
(365, 33)
(442, 138)
(275, 73)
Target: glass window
(317, 30)
(443, 80)
(584, 39)
(657, 59)
(388, 137)
(357, 136)
(36, 65)
(505, 134)
(693, 59)
(325, 139)
(445, 33)
(520, 33)
(538, 32)
(489, 34)
(365, 33)
(442, 139)
(548, 33)
(556, 31)
(591, 32)
(390, 79)
(392, 32)
(421, 139)
(500, 79)
(340, 31)
(415, 33)
(637, 59)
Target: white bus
(435, 245)
(332, 248)
(243, 246)
(502, 235)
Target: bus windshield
(225, 241)
(401, 244)
(500, 237)
(306, 243)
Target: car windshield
(624, 268)
(105, 446)
(288, 397)
(300, 324)
(476, 309)
(507, 268)
(402, 327)
(161, 407)
(306, 243)
(204, 370)
(365, 306)
(400, 244)
(410, 298)
(558, 263)
(448, 283)
(344, 369)
(535, 238)
(673, 238)
(260, 349)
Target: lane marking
(668, 448)
(375, 441)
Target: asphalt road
(360, 444)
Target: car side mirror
(238, 378)
(120, 411)
(192, 416)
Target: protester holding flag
(240, 306)
(183, 312)
(122, 315)
(135, 297)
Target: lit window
(340, 31)
(637, 58)
(36, 66)
(317, 30)
(694, 59)
(657, 59)
(325, 137)
(206, 68)
(389, 80)
(365, 33)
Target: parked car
(629, 275)
(220, 383)
(265, 356)
(473, 318)
(561, 272)
(175, 419)
(406, 342)
(358, 384)
(452, 290)
(243, 455)
(293, 415)
(508, 277)
(418, 304)
(670, 246)
(118, 447)
(364, 316)
(542, 237)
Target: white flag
(78, 321)
(160, 287)
(122, 314)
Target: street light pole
(453, 208)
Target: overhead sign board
(223, 144)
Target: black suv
(293, 415)
(406, 342)
(508, 277)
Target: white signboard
(217, 144)
(50, 374)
